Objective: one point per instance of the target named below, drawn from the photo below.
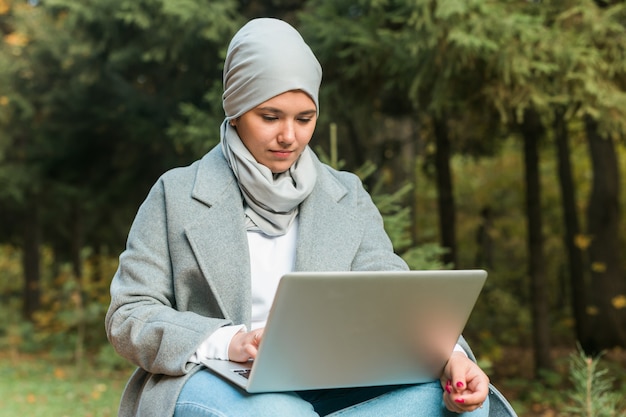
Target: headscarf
(265, 58)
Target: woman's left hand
(465, 385)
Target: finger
(452, 405)
(251, 349)
(472, 399)
(470, 408)
(452, 400)
(251, 346)
(463, 401)
(468, 400)
(477, 390)
(457, 371)
(459, 384)
(479, 385)
(459, 405)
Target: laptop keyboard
(243, 372)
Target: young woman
(210, 242)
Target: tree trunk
(607, 319)
(76, 245)
(356, 151)
(30, 260)
(445, 192)
(572, 229)
(532, 130)
(484, 241)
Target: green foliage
(70, 323)
(579, 386)
(198, 128)
(426, 256)
(108, 358)
(533, 395)
(593, 393)
(87, 92)
(15, 333)
(397, 216)
(72, 314)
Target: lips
(282, 154)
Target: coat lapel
(329, 232)
(218, 238)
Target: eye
(305, 119)
(269, 117)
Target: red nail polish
(459, 384)
(459, 400)
(448, 389)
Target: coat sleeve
(375, 251)
(142, 322)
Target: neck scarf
(266, 58)
(271, 200)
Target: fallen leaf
(59, 373)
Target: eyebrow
(278, 111)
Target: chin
(280, 168)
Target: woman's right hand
(244, 345)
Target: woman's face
(277, 131)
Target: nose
(287, 134)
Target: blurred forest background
(490, 133)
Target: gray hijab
(267, 57)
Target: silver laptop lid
(343, 329)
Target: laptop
(353, 329)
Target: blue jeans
(208, 395)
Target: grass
(38, 386)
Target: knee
(207, 395)
(190, 409)
(279, 404)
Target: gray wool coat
(186, 272)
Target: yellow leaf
(4, 100)
(582, 241)
(59, 373)
(619, 302)
(592, 310)
(31, 399)
(598, 267)
(16, 39)
(4, 7)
